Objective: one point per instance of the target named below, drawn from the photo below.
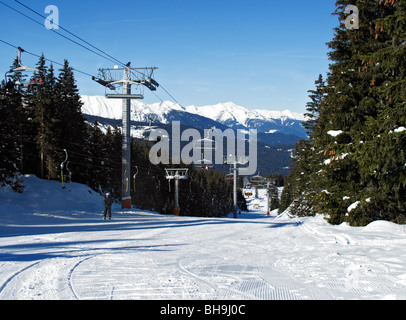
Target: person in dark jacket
(108, 201)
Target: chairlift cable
(61, 35)
(164, 102)
(106, 55)
(46, 59)
(72, 34)
(171, 96)
(81, 155)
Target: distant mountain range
(277, 131)
(273, 123)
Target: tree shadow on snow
(51, 250)
(43, 223)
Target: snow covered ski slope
(71, 254)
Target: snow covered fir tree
(353, 167)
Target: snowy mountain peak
(228, 114)
(225, 112)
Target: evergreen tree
(359, 130)
(304, 182)
(71, 128)
(10, 148)
(112, 163)
(44, 104)
(356, 98)
(314, 106)
(96, 158)
(23, 119)
(381, 152)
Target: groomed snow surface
(55, 246)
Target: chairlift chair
(206, 144)
(20, 85)
(257, 179)
(230, 177)
(150, 128)
(204, 164)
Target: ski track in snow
(143, 255)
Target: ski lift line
(164, 102)
(53, 30)
(63, 167)
(176, 101)
(109, 57)
(101, 159)
(137, 168)
(180, 114)
(135, 176)
(148, 170)
(72, 152)
(9, 44)
(19, 12)
(145, 169)
(171, 96)
(61, 35)
(46, 59)
(79, 154)
(72, 34)
(66, 159)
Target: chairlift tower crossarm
(111, 78)
(177, 175)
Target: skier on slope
(108, 201)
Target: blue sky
(262, 54)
